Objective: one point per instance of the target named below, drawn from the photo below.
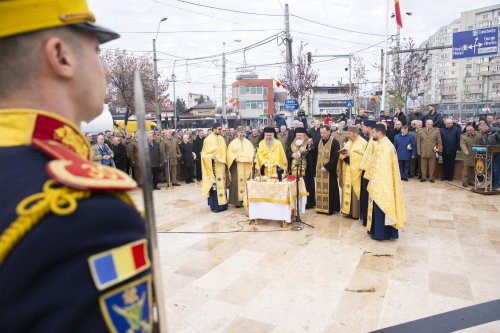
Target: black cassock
(328, 195)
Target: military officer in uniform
(73, 250)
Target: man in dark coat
(433, 115)
(450, 137)
(197, 146)
(401, 116)
(327, 186)
(187, 159)
(120, 153)
(154, 155)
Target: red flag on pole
(399, 21)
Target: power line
(228, 10)
(198, 31)
(332, 38)
(203, 14)
(334, 27)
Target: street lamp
(224, 74)
(158, 110)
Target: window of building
(255, 105)
(485, 16)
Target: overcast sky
(182, 36)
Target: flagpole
(385, 62)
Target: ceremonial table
(273, 200)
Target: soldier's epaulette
(71, 170)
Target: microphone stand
(298, 221)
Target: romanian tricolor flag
(119, 264)
(279, 84)
(399, 20)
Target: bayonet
(149, 214)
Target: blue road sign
(475, 43)
(348, 103)
(291, 104)
(321, 110)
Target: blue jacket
(451, 139)
(401, 142)
(280, 121)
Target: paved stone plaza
(332, 278)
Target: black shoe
(156, 188)
(431, 180)
(450, 179)
(423, 180)
(405, 179)
(176, 184)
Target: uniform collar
(19, 126)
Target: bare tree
(299, 77)
(120, 81)
(404, 73)
(359, 78)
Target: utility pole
(155, 65)
(157, 98)
(175, 102)
(350, 85)
(382, 66)
(384, 75)
(223, 104)
(287, 36)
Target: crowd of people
(419, 140)
(331, 160)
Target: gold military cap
(23, 16)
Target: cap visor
(104, 35)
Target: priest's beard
(270, 142)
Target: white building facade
(469, 86)
(326, 99)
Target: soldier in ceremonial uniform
(73, 249)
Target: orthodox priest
(300, 154)
(214, 169)
(270, 154)
(240, 154)
(368, 126)
(386, 205)
(351, 156)
(327, 186)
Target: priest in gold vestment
(351, 157)
(270, 154)
(301, 154)
(327, 186)
(214, 159)
(240, 154)
(386, 204)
